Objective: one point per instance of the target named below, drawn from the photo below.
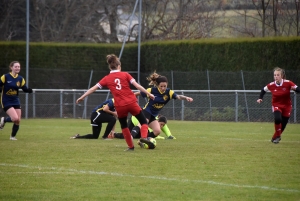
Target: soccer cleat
(13, 138)
(159, 138)
(147, 142)
(2, 123)
(171, 137)
(75, 136)
(140, 144)
(129, 149)
(276, 140)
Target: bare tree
(184, 19)
(11, 19)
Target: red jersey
(281, 96)
(119, 85)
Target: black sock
(15, 129)
(151, 134)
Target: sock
(151, 134)
(7, 119)
(144, 131)
(15, 129)
(277, 131)
(128, 137)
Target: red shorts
(132, 108)
(285, 111)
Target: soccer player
(125, 101)
(134, 126)
(162, 96)
(281, 101)
(10, 84)
(103, 113)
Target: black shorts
(149, 116)
(14, 106)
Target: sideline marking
(62, 170)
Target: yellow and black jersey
(109, 102)
(10, 86)
(161, 99)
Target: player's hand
(259, 100)
(189, 99)
(79, 100)
(151, 96)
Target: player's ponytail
(113, 61)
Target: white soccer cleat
(13, 138)
(2, 123)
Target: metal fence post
(182, 108)
(236, 106)
(295, 107)
(33, 104)
(61, 104)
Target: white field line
(68, 171)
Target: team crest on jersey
(165, 97)
(284, 89)
(18, 84)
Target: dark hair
(162, 119)
(155, 79)
(113, 61)
(281, 70)
(12, 64)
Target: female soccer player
(162, 96)
(281, 101)
(125, 101)
(10, 84)
(103, 113)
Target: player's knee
(277, 117)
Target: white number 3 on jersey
(117, 81)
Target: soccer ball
(145, 146)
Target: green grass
(207, 161)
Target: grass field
(207, 161)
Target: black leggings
(97, 118)
(278, 118)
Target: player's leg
(96, 128)
(15, 115)
(284, 122)
(286, 112)
(126, 132)
(277, 124)
(111, 121)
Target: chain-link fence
(208, 105)
(178, 80)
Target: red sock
(128, 137)
(277, 131)
(144, 131)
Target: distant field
(207, 161)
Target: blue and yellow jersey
(161, 99)
(10, 86)
(110, 102)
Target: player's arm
(182, 97)
(88, 92)
(262, 93)
(296, 89)
(25, 88)
(107, 110)
(142, 89)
